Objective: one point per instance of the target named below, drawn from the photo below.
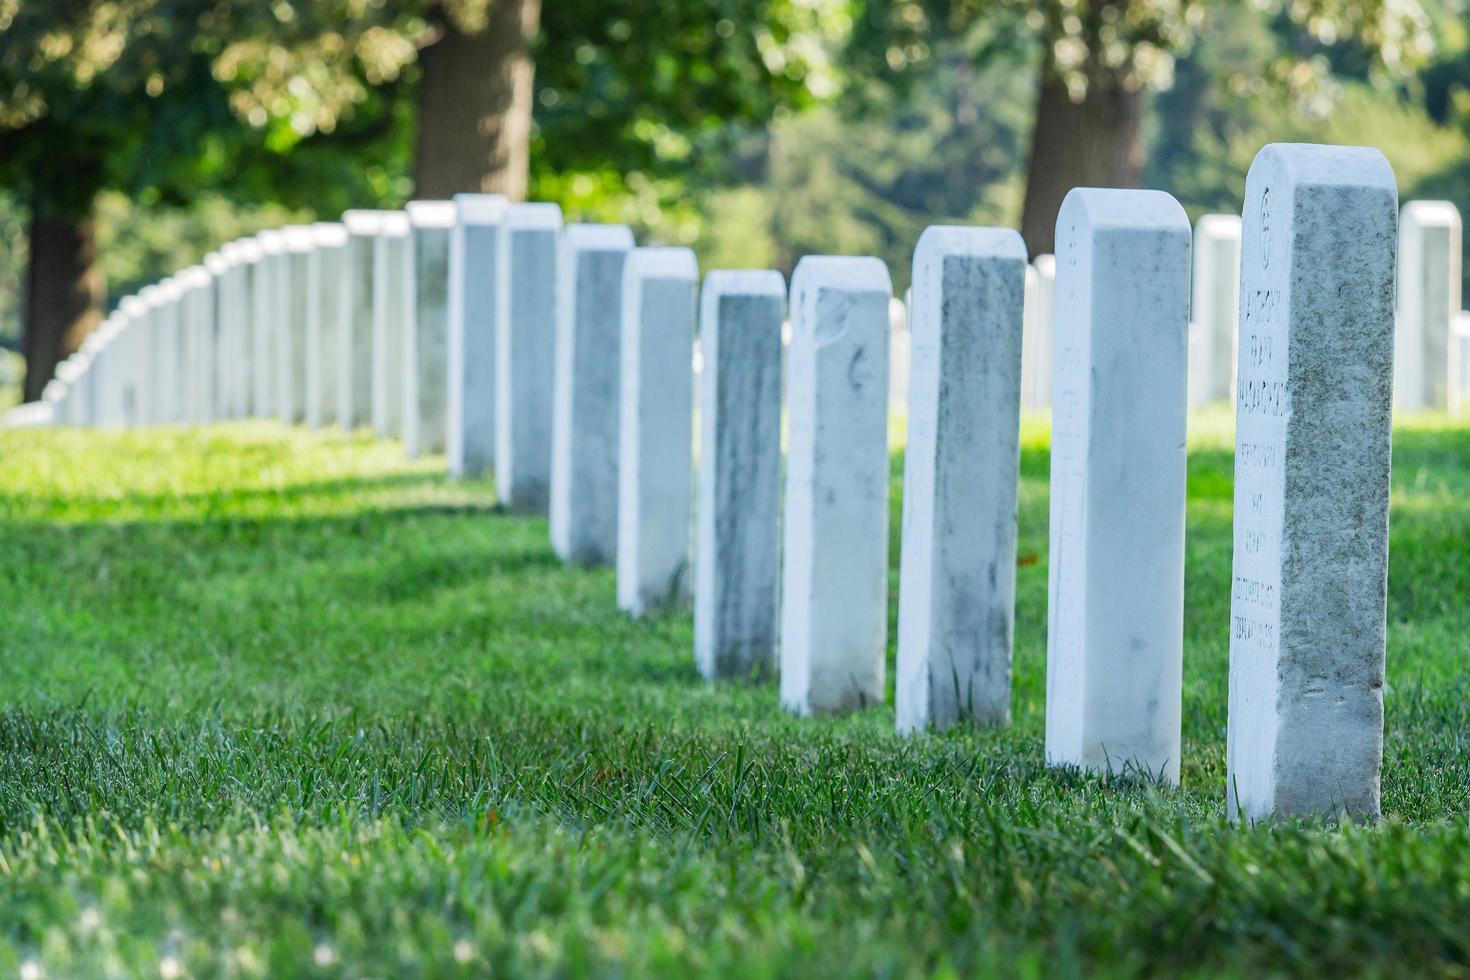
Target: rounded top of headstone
(583, 236)
(1045, 265)
(70, 369)
(536, 214)
(659, 262)
(1116, 207)
(249, 250)
(745, 282)
(194, 277)
(330, 234)
(854, 273)
(136, 306)
(1321, 165)
(360, 221)
(394, 224)
(53, 391)
(297, 238)
(1431, 214)
(272, 241)
(940, 241)
(430, 214)
(218, 262)
(1218, 225)
(170, 289)
(480, 209)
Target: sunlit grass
(278, 703)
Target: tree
(1098, 60)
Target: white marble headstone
(834, 609)
(738, 513)
(1115, 630)
(656, 421)
(525, 357)
(584, 440)
(957, 580)
(355, 329)
(1429, 265)
(426, 326)
(1313, 420)
(1214, 308)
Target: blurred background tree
(137, 134)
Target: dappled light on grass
(270, 693)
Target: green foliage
(278, 702)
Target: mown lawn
(277, 703)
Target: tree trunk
(64, 293)
(1092, 143)
(474, 106)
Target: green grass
(278, 703)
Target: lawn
(278, 703)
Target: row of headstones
(560, 359)
(1432, 346)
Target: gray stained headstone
(355, 328)
(584, 445)
(1429, 256)
(1313, 414)
(957, 581)
(834, 581)
(469, 435)
(1115, 629)
(525, 357)
(426, 326)
(655, 424)
(390, 291)
(737, 557)
(324, 313)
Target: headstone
(243, 374)
(1214, 308)
(426, 327)
(1428, 305)
(1313, 413)
(390, 262)
(900, 347)
(525, 357)
(738, 514)
(1115, 630)
(355, 329)
(834, 609)
(325, 311)
(212, 407)
(159, 395)
(289, 344)
(268, 313)
(469, 434)
(1460, 365)
(957, 579)
(584, 439)
(198, 343)
(656, 421)
(1036, 359)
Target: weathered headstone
(1313, 413)
(525, 357)
(584, 443)
(325, 310)
(469, 435)
(159, 394)
(390, 265)
(1115, 631)
(426, 326)
(355, 329)
(738, 514)
(243, 373)
(1214, 308)
(1039, 344)
(656, 420)
(290, 346)
(211, 407)
(1428, 304)
(957, 580)
(834, 610)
